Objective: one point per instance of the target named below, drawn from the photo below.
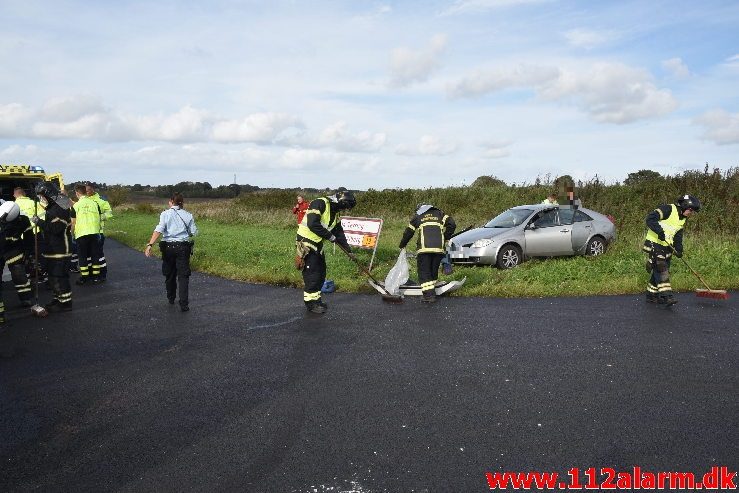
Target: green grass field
(258, 246)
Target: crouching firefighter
(320, 222)
(665, 238)
(12, 227)
(55, 226)
(434, 230)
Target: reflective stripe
(428, 285)
(311, 296)
(651, 288)
(15, 259)
(411, 226)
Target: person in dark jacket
(434, 230)
(57, 253)
(663, 239)
(13, 225)
(321, 222)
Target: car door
(549, 237)
(582, 230)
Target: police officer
(665, 237)
(106, 212)
(55, 227)
(434, 229)
(86, 228)
(320, 222)
(176, 227)
(12, 227)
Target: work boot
(429, 297)
(81, 281)
(58, 306)
(652, 297)
(26, 303)
(315, 307)
(323, 304)
(667, 299)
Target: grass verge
(261, 250)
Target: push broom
(388, 296)
(37, 310)
(717, 294)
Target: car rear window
(580, 216)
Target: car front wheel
(509, 256)
(596, 246)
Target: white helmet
(422, 208)
(9, 211)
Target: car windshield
(509, 219)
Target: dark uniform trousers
(14, 257)
(428, 271)
(659, 260)
(88, 248)
(314, 275)
(58, 271)
(176, 269)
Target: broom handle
(691, 269)
(363, 268)
(35, 246)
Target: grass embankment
(252, 239)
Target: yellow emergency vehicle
(25, 176)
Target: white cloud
(428, 145)
(496, 149)
(483, 82)
(733, 59)
(13, 117)
(471, 6)
(85, 118)
(720, 126)
(587, 39)
(676, 67)
(187, 125)
(259, 127)
(608, 92)
(339, 138)
(408, 66)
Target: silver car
(527, 231)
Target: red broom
(717, 294)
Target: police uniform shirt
(172, 225)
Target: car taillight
(611, 218)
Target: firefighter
(106, 212)
(321, 222)
(55, 226)
(665, 238)
(435, 228)
(12, 227)
(86, 228)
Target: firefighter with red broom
(665, 238)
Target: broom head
(39, 311)
(716, 294)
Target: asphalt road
(247, 392)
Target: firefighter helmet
(686, 202)
(9, 211)
(345, 199)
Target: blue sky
(368, 94)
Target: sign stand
(362, 232)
